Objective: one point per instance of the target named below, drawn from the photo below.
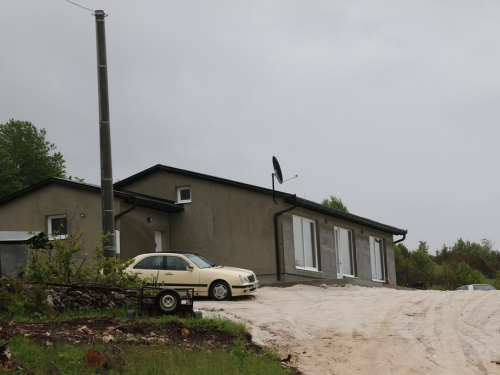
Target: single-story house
(164, 208)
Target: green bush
(19, 299)
(58, 263)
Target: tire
(220, 291)
(168, 301)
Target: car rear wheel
(168, 301)
(220, 291)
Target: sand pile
(359, 330)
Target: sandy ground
(359, 330)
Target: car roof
(478, 284)
(166, 253)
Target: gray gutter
(276, 236)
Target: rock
(107, 338)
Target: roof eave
(316, 207)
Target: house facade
(231, 223)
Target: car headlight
(244, 280)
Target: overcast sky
(392, 106)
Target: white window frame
(117, 242)
(179, 190)
(377, 260)
(342, 253)
(50, 230)
(299, 241)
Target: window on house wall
(184, 194)
(377, 258)
(57, 226)
(344, 252)
(304, 242)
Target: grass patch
(144, 360)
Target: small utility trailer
(160, 300)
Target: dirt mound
(109, 330)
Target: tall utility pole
(108, 210)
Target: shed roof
(17, 236)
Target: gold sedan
(191, 270)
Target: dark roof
(159, 167)
(142, 200)
(313, 206)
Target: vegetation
(46, 348)
(463, 263)
(21, 300)
(334, 202)
(154, 359)
(26, 157)
(60, 261)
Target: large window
(304, 242)
(57, 226)
(377, 258)
(344, 253)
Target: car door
(179, 273)
(151, 267)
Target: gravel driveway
(359, 330)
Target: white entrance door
(158, 243)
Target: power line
(93, 11)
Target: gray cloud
(391, 106)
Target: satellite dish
(277, 170)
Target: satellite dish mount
(276, 174)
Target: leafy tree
(26, 157)
(421, 266)
(404, 250)
(454, 275)
(422, 246)
(335, 202)
(401, 264)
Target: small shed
(14, 250)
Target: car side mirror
(189, 268)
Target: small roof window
(184, 194)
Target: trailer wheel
(168, 301)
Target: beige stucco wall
(137, 235)
(30, 212)
(234, 226)
(326, 246)
(228, 225)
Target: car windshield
(200, 261)
(483, 287)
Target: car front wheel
(220, 291)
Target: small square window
(57, 226)
(184, 194)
